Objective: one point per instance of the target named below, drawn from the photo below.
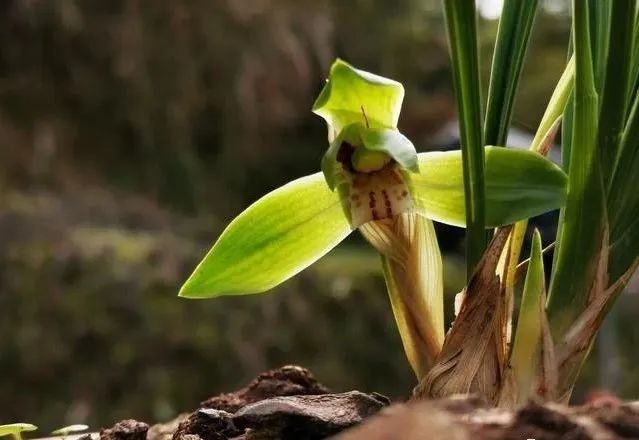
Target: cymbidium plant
(597, 244)
(373, 180)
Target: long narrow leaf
(599, 27)
(634, 66)
(524, 359)
(462, 38)
(623, 203)
(513, 36)
(614, 97)
(528, 333)
(584, 214)
(542, 142)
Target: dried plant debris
(474, 352)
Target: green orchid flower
(374, 180)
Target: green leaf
(393, 143)
(634, 65)
(513, 36)
(623, 252)
(584, 215)
(623, 200)
(525, 352)
(273, 239)
(556, 105)
(599, 29)
(544, 137)
(462, 39)
(519, 184)
(614, 96)
(352, 95)
(16, 428)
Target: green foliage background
(132, 131)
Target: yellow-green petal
(273, 239)
(355, 96)
(519, 184)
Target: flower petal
(273, 239)
(393, 143)
(352, 95)
(519, 184)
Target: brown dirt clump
(125, 430)
(286, 381)
(289, 404)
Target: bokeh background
(131, 131)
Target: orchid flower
(374, 180)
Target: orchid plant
(372, 179)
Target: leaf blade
(584, 214)
(461, 24)
(614, 95)
(529, 325)
(513, 36)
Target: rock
(289, 380)
(307, 417)
(208, 424)
(284, 381)
(125, 430)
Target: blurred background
(132, 131)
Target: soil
(290, 404)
